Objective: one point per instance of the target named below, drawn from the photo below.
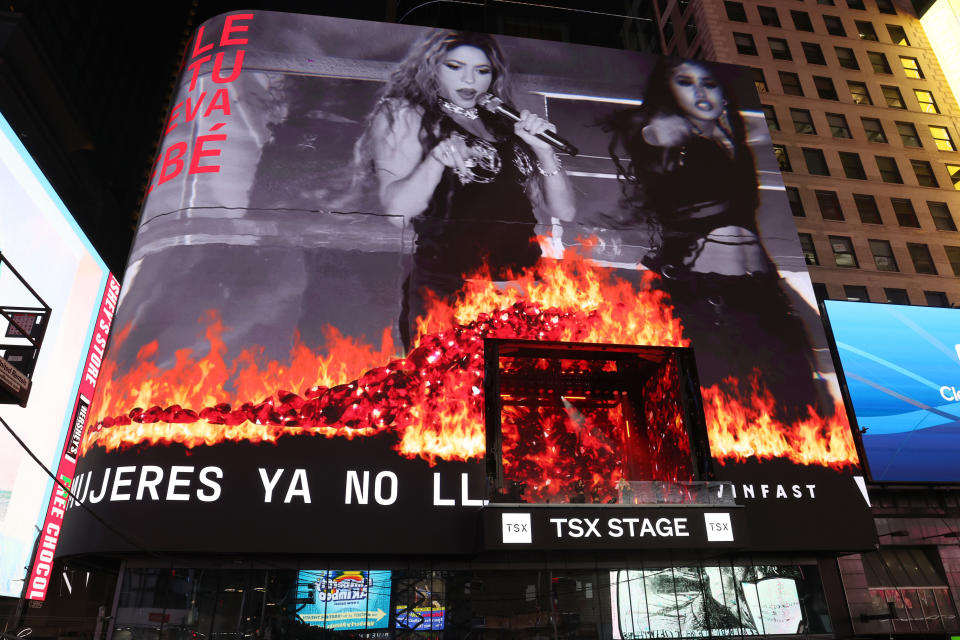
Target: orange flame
(432, 399)
(739, 430)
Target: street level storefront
(600, 599)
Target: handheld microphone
(493, 104)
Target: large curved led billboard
(343, 214)
(902, 367)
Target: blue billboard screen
(344, 600)
(902, 366)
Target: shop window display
(390, 601)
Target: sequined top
(482, 218)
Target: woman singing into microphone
(473, 185)
(689, 180)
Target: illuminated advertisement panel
(703, 601)
(342, 215)
(46, 258)
(344, 600)
(419, 601)
(902, 368)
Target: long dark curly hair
(626, 126)
(646, 200)
(413, 84)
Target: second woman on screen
(473, 186)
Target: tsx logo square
(719, 528)
(516, 528)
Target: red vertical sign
(42, 565)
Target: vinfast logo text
(951, 394)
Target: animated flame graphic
(431, 401)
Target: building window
(922, 260)
(768, 16)
(834, 26)
(843, 253)
(829, 205)
(888, 170)
(771, 115)
(802, 121)
(745, 44)
(865, 30)
(941, 137)
(796, 204)
(813, 53)
(924, 173)
(954, 171)
(690, 30)
(927, 103)
(883, 255)
(873, 129)
(906, 216)
(852, 167)
(809, 251)
(867, 208)
(898, 35)
(801, 20)
(911, 68)
(936, 298)
(942, 219)
(847, 58)
(896, 296)
(953, 256)
(893, 97)
(790, 83)
(908, 134)
(783, 160)
(856, 4)
(759, 81)
(913, 581)
(668, 33)
(858, 92)
(838, 125)
(825, 88)
(816, 162)
(855, 293)
(886, 6)
(879, 62)
(779, 49)
(735, 11)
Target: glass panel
(859, 93)
(911, 68)
(856, 293)
(791, 83)
(929, 610)
(896, 296)
(898, 35)
(926, 101)
(948, 612)
(954, 171)
(768, 16)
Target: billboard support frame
(10, 393)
